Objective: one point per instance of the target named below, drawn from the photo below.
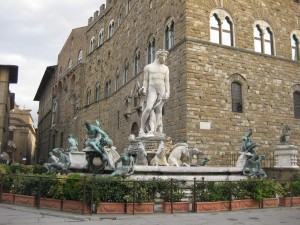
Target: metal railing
(94, 191)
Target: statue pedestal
(78, 160)
(151, 144)
(286, 156)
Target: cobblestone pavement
(17, 215)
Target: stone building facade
(22, 136)
(8, 75)
(233, 65)
(44, 131)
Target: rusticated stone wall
(199, 109)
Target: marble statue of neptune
(156, 89)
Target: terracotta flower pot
(51, 203)
(75, 206)
(7, 198)
(287, 201)
(177, 207)
(212, 206)
(111, 207)
(271, 202)
(140, 207)
(25, 200)
(244, 204)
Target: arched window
(169, 34)
(227, 34)
(79, 58)
(128, 6)
(92, 44)
(111, 28)
(236, 96)
(107, 88)
(296, 96)
(137, 62)
(97, 92)
(126, 69)
(150, 4)
(151, 50)
(70, 64)
(120, 19)
(263, 38)
(295, 47)
(221, 28)
(135, 129)
(54, 112)
(101, 37)
(89, 97)
(117, 83)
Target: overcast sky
(32, 33)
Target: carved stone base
(286, 156)
(78, 160)
(151, 144)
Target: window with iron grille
(296, 97)
(236, 95)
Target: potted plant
(212, 196)
(50, 192)
(172, 194)
(25, 190)
(139, 197)
(108, 195)
(290, 195)
(7, 195)
(73, 195)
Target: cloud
(33, 33)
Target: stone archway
(135, 129)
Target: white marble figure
(194, 152)
(160, 156)
(141, 156)
(73, 144)
(179, 150)
(156, 89)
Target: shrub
(109, 189)
(4, 168)
(292, 188)
(170, 190)
(25, 185)
(56, 190)
(73, 188)
(212, 191)
(243, 189)
(138, 191)
(39, 169)
(21, 169)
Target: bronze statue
(127, 167)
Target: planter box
(271, 202)
(7, 198)
(25, 200)
(212, 206)
(111, 207)
(177, 207)
(51, 203)
(288, 201)
(140, 207)
(75, 206)
(244, 204)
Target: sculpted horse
(160, 156)
(178, 151)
